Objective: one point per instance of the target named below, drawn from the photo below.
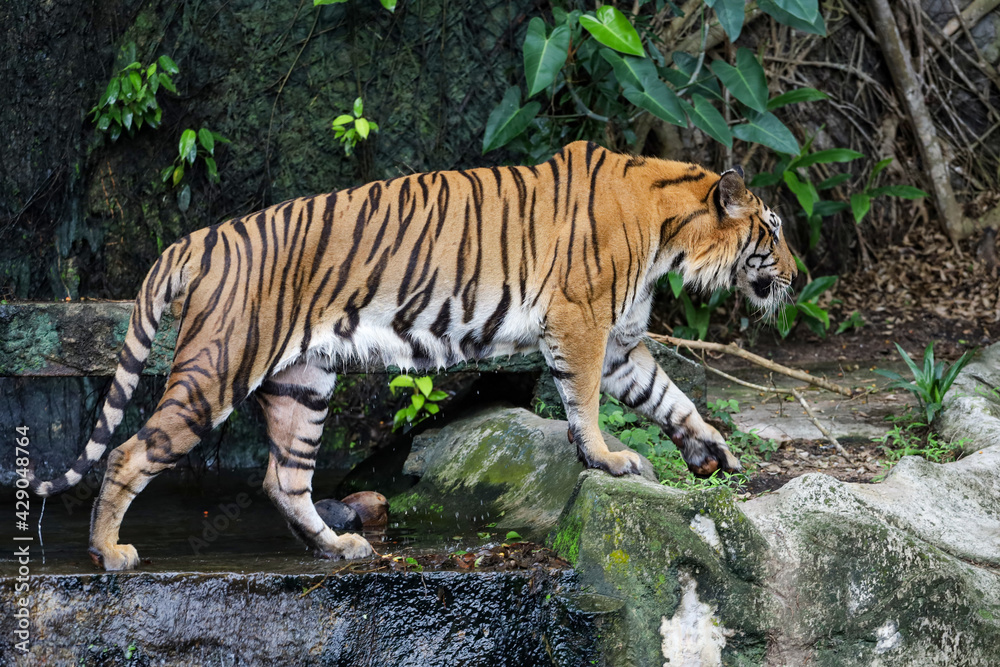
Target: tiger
(424, 271)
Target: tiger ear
(733, 192)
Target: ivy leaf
(186, 147)
(708, 119)
(359, 108)
(544, 55)
(342, 119)
(779, 9)
(401, 381)
(766, 129)
(389, 4)
(612, 29)
(508, 119)
(361, 125)
(731, 14)
(746, 81)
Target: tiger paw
(116, 557)
(625, 462)
(706, 452)
(347, 547)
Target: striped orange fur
(424, 271)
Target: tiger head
(732, 239)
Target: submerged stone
(337, 515)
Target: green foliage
(351, 129)
(698, 316)
(647, 439)
(512, 536)
(861, 202)
(423, 399)
(931, 382)
(191, 146)
(855, 321)
(807, 309)
(388, 4)
(129, 100)
(911, 437)
(596, 66)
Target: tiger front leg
(575, 361)
(633, 377)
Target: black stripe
(665, 182)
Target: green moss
(567, 540)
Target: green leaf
(812, 310)
(206, 140)
(786, 319)
(389, 4)
(167, 65)
(765, 179)
(166, 82)
(342, 119)
(512, 536)
(879, 166)
(904, 191)
(917, 374)
(425, 385)
(114, 89)
(781, 11)
(544, 55)
(612, 29)
(508, 119)
(437, 395)
(630, 72)
(826, 157)
(126, 118)
(659, 100)
(860, 203)
(676, 283)
(418, 401)
(807, 10)
(730, 13)
(213, 170)
(833, 181)
(746, 81)
(187, 148)
(219, 139)
(184, 198)
(795, 97)
(432, 408)
(178, 174)
(708, 119)
(401, 381)
(166, 172)
(104, 122)
(359, 108)
(825, 208)
(361, 125)
(766, 129)
(136, 80)
(803, 191)
(813, 290)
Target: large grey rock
(501, 462)
(819, 573)
(972, 406)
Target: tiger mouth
(763, 287)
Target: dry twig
(760, 361)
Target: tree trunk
(953, 222)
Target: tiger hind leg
(182, 418)
(295, 404)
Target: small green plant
(423, 400)
(129, 100)
(861, 202)
(388, 4)
(747, 445)
(723, 410)
(806, 307)
(192, 146)
(931, 382)
(698, 315)
(911, 437)
(353, 129)
(855, 321)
